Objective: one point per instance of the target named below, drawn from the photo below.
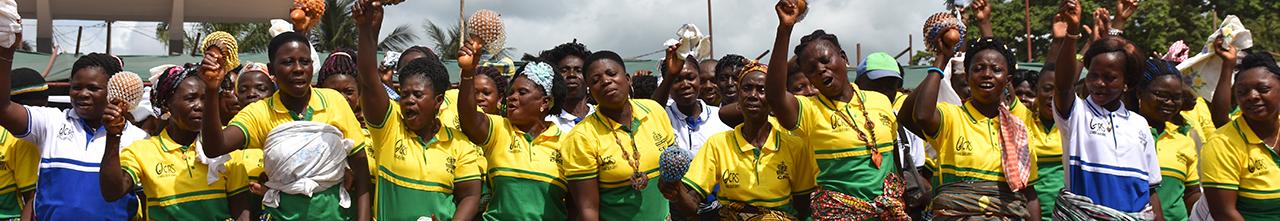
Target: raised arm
(13, 116)
(112, 180)
(1220, 106)
(218, 140)
(731, 115)
(673, 64)
(474, 123)
(785, 107)
(373, 98)
(982, 11)
(1066, 29)
(1124, 10)
(922, 104)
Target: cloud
(633, 28)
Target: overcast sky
(631, 28)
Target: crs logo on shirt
(65, 134)
(400, 151)
(731, 180)
(165, 170)
(1099, 127)
(963, 147)
(838, 123)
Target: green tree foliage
(1262, 17)
(251, 37)
(1156, 25)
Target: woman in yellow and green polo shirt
(1241, 170)
(522, 148)
(18, 176)
(1159, 101)
(763, 171)
(1045, 141)
(296, 100)
(166, 166)
(425, 169)
(611, 157)
(984, 166)
(850, 130)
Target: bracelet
(468, 78)
(935, 70)
(1115, 32)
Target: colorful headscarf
(227, 43)
(752, 66)
(163, 86)
(1178, 52)
(540, 73)
(250, 66)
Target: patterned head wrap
(752, 66)
(250, 66)
(937, 25)
(540, 73)
(163, 87)
(227, 44)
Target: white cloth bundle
(945, 92)
(217, 165)
(1200, 212)
(1205, 67)
(304, 157)
(9, 24)
(692, 42)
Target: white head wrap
(541, 74)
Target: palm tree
(400, 38)
(446, 41)
(251, 37)
(336, 29)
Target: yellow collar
(315, 102)
(1246, 132)
(771, 142)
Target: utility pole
(79, 34)
(109, 37)
(1028, 39)
(710, 33)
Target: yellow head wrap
(752, 66)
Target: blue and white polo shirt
(70, 155)
(1109, 156)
